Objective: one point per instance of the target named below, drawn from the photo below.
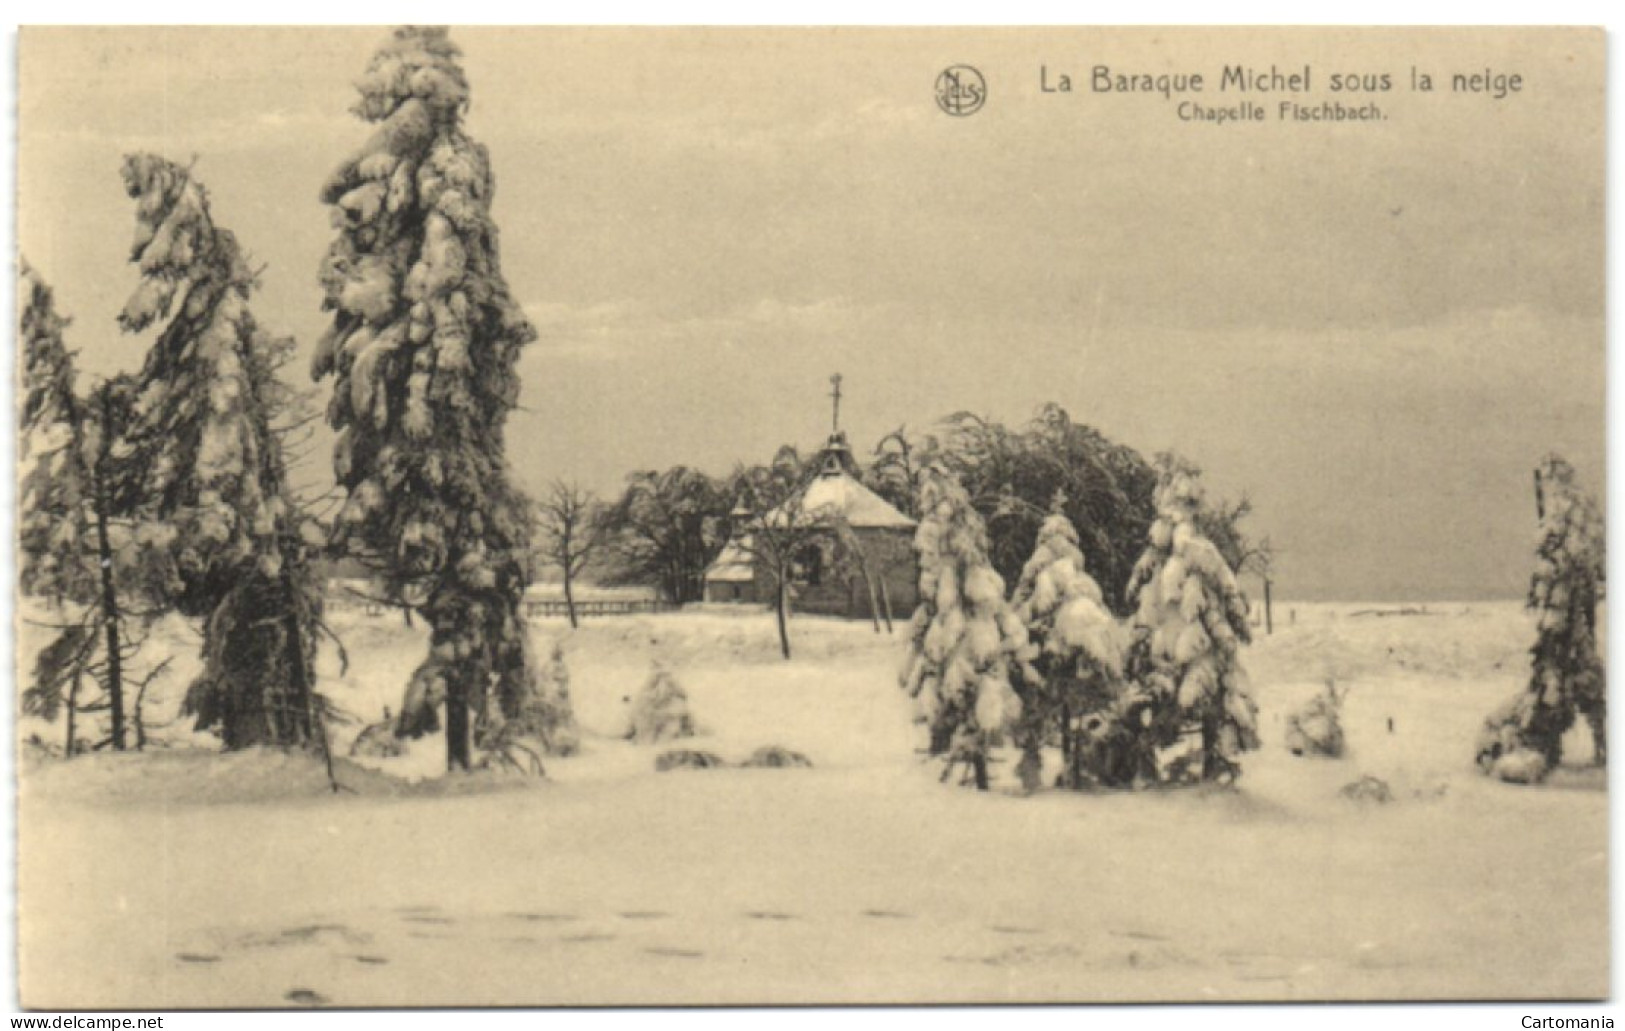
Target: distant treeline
(667, 526)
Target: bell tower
(836, 457)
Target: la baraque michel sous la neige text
(1255, 94)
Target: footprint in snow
(1144, 936)
(1018, 955)
(303, 936)
(306, 997)
(196, 957)
(370, 960)
(887, 914)
(661, 950)
(311, 932)
(576, 939)
(543, 917)
(769, 915)
(644, 914)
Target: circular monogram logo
(961, 90)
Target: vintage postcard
(631, 516)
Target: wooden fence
(584, 609)
(353, 600)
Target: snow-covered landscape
(182, 878)
(426, 600)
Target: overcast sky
(1375, 329)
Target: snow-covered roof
(836, 493)
(832, 495)
(734, 565)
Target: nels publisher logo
(961, 90)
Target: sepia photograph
(693, 517)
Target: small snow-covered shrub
(510, 747)
(660, 710)
(1109, 745)
(546, 713)
(687, 759)
(1368, 789)
(1522, 766)
(776, 757)
(34, 748)
(1316, 729)
(378, 741)
(1501, 734)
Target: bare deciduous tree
(570, 533)
(779, 529)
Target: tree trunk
(104, 555)
(874, 600)
(885, 601)
(135, 718)
(299, 721)
(1069, 746)
(459, 747)
(110, 620)
(783, 607)
(1269, 618)
(73, 702)
(570, 597)
(979, 767)
(318, 727)
(1210, 746)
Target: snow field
(862, 879)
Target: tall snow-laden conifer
(1190, 622)
(56, 455)
(422, 349)
(214, 519)
(57, 508)
(965, 642)
(79, 484)
(1077, 657)
(1523, 740)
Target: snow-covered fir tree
(965, 640)
(79, 485)
(1523, 740)
(214, 520)
(56, 455)
(660, 710)
(1075, 657)
(1316, 727)
(57, 512)
(422, 351)
(1189, 624)
(553, 714)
